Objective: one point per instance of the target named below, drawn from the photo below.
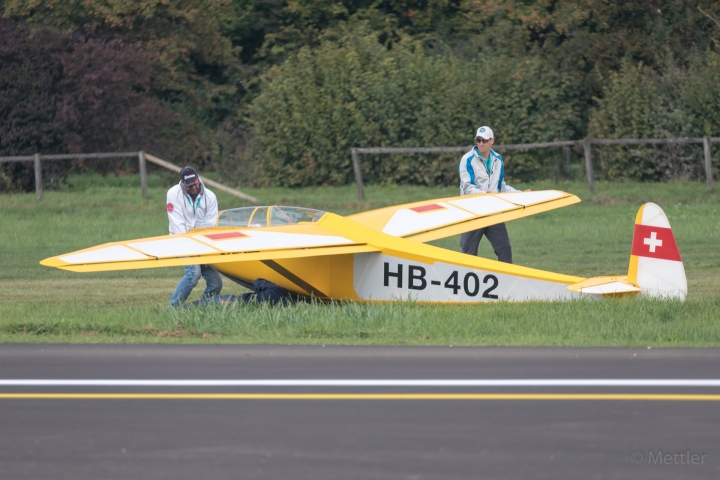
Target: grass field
(39, 304)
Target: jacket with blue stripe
(474, 175)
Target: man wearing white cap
(482, 171)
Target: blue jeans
(191, 278)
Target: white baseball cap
(484, 132)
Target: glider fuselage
(402, 269)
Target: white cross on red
(653, 241)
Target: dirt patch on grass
(151, 330)
(172, 333)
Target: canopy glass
(270, 216)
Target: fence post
(358, 173)
(588, 165)
(566, 151)
(38, 177)
(708, 163)
(143, 173)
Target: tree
(63, 93)
(195, 66)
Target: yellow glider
(379, 255)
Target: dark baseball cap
(189, 176)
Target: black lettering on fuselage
(416, 273)
(398, 275)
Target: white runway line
(640, 382)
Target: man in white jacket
(191, 205)
(482, 171)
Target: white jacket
(475, 178)
(185, 214)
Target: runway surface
(267, 412)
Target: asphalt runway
(313, 412)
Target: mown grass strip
(619, 322)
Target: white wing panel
(253, 240)
(407, 221)
(530, 198)
(117, 253)
(173, 247)
(486, 205)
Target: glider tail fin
(655, 264)
(656, 269)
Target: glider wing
(211, 246)
(440, 218)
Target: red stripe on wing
(428, 208)
(223, 236)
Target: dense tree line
(276, 91)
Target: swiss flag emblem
(655, 242)
(170, 207)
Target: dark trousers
(498, 236)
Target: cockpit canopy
(267, 216)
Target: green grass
(39, 304)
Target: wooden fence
(566, 144)
(142, 157)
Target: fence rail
(586, 143)
(142, 157)
(212, 183)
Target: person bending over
(191, 205)
(263, 291)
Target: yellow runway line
(362, 396)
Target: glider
(381, 255)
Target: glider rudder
(655, 264)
